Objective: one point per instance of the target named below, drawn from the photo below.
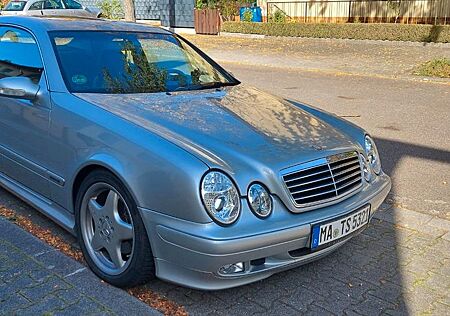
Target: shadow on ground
(435, 31)
(394, 151)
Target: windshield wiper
(214, 85)
(211, 85)
(204, 86)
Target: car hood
(232, 128)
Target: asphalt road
(409, 119)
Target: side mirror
(18, 88)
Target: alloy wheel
(107, 228)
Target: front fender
(165, 187)
(160, 175)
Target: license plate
(325, 233)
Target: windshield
(129, 62)
(15, 6)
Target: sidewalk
(36, 279)
(381, 59)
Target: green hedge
(390, 32)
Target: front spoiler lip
(194, 261)
(208, 281)
(296, 261)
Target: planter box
(207, 21)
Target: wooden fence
(207, 21)
(365, 11)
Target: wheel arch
(105, 163)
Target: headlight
(259, 200)
(372, 155)
(220, 197)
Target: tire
(111, 233)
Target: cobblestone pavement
(36, 279)
(399, 265)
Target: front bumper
(191, 254)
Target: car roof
(78, 24)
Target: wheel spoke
(97, 242)
(95, 209)
(123, 230)
(115, 253)
(111, 204)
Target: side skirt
(58, 214)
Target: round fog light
(232, 268)
(259, 200)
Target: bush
(111, 9)
(228, 9)
(278, 17)
(390, 32)
(206, 4)
(439, 67)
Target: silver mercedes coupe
(163, 164)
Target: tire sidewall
(141, 243)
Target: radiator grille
(325, 179)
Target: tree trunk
(128, 8)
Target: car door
(23, 123)
(36, 8)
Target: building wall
(172, 13)
(147, 9)
(177, 13)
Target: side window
(71, 4)
(19, 54)
(36, 6)
(53, 4)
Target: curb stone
(29, 265)
(362, 41)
